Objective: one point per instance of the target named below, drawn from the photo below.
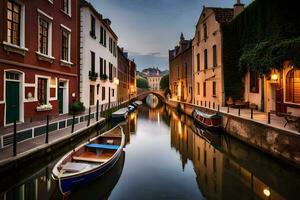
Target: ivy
(262, 37)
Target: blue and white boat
(90, 160)
(131, 108)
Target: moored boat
(131, 108)
(210, 121)
(138, 103)
(90, 160)
(120, 114)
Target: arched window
(293, 86)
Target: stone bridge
(159, 93)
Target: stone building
(207, 56)
(38, 59)
(180, 67)
(98, 58)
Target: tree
(164, 82)
(142, 83)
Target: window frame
(205, 59)
(68, 47)
(253, 84)
(290, 94)
(93, 27)
(18, 43)
(204, 89)
(45, 89)
(48, 19)
(69, 4)
(215, 59)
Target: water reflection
(169, 157)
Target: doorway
(12, 97)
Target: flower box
(44, 107)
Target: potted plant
(77, 107)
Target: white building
(98, 58)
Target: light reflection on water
(168, 157)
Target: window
(13, 23)
(66, 6)
(104, 66)
(254, 82)
(198, 36)
(215, 56)
(205, 59)
(198, 62)
(92, 32)
(113, 92)
(204, 89)
(92, 61)
(102, 36)
(103, 93)
(101, 66)
(43, 36)
(110, 71)
(92, 95)
(65, 45)
(214, 89)
(205, 31)
(98, 88)
(114, 49)
(198, 88)
(42, 91)
(293, 86)
(111, 45)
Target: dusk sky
(147, 29)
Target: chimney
(238, 8)
(107, 21)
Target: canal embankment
(47, 145)
(271, 138)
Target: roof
(84, 3)
(222, 15)
(178, 50)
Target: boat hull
(210, 123)
(69, 183)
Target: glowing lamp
(267, 192)
(73, 94)
(116, 81)
(274, 77)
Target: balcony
(103, 77)
(93, 75)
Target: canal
(167, 156)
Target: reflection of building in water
(240, 179)
(152, 101)
(155, 114)
(39, 188)
(218, 175)
(208, 165)
(132, 122)
(182, 139)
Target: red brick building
(180, 67)
(126, 76)
(38, 58)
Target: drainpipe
(262, 78)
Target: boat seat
(74, 167)
(97, 160)
(103, 146)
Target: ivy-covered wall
(261, 37)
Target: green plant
(164, 82)
(142, 83)
(77, 107)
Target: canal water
(167, 156)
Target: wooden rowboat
(90, 160)
(209, 121)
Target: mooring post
(97, 112)
(15, 139)
(89, 117)
(251, 113)
(101, 111)
(73, 122)
(239, 110)
(269, 118)
(227, 109)
(47, 130)
(218, 108)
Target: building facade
(38, 59)
(126, 76)
(98, 58)
(207, 57)
(180, 67)
(154, 81)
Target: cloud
(150, 54)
